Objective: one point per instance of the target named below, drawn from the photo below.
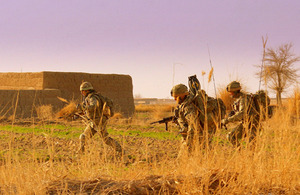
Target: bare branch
(278, 70)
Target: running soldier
(96, 112)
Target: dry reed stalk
(3, 113)
(211, 72)
(15, 108)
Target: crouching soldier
(96, 111)
(243, 112)
(188, 118)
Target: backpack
(261, 103)
(215, 108)
(108, 106)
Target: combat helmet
(86, 86)
(233, 86)
(179, 89)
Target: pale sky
(156, 42)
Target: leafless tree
(278, 71)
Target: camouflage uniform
(190, 119)
(215, 110)
(246, 115)
(92, 106)
(189, 123)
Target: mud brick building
(23, 93)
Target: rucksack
(108, 106)
(261, 103)
(215, 108)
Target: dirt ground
(57, 149)
(64, 150)
(67, 147)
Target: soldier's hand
(224, 122)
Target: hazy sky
(156, 42)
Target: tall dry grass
(227, 99)
(294, 102)
(155, 108)
(271, 167)
(154, 112)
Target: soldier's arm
(190, 112)
(192, 117)
(181, 121)
(238, 116)
(92, 104)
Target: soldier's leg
(236, 134)
(206, 137)
(108, 140)
(88, 133)
(211, 134)
(254, 130)
(190, 141)
(183, 151)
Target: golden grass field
(38, 156)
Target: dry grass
(154, 108)
(68, 111)
(271, 167)
(227, 99)
(45, 112)
(294, 103)
(117, 116)
(155, 112)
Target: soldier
(243, 112)
(189, 119)
(96, 112)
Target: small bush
(44, 112)
(68, 111)
(227, 99)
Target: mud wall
(42, 88)
(25, 103)
(27, 81)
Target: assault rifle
(166, 120)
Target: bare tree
(278, 70)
